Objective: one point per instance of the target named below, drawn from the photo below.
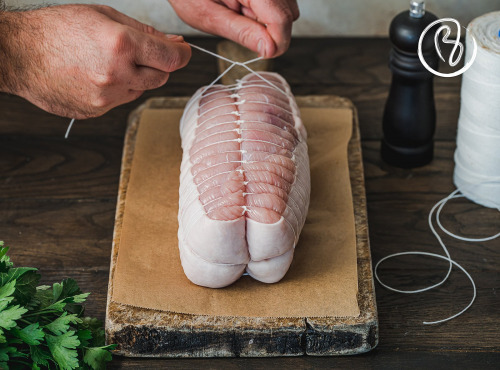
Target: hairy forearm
(19, 33)
(11, 49)
(4, 53)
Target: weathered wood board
(150, 333)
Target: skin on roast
(245, 181)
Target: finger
(160, 52)
(295, 9)
(233, 5)
(247, 12)
(291, 4)
(275, 5)
(278, 16)
(281, 35)
(146, 78)
(224, 22)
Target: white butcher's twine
(69, 128)
(477, 157)
(231, 66)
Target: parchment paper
(322, 280)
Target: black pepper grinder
(410, 114)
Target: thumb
(166, 53)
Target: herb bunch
(42, 327)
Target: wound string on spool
(477, 158)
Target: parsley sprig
(42, 327)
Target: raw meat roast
(245, 181)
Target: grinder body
(409, 119)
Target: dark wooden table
(58, 198)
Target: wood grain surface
(58, 199)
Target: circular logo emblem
(457, 46)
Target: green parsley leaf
(42, 298)
(14, 273)
(9, 316)
(40, 356)
(96, 357)
(28, 313)
(7, 289)
(4, 266)
(67, 288)
(4, 259)
(4, 352)
(79, 298)
(16, 353)
(96, 328)
(59, 305)
(84, 336)
(56, 291)
(61, 324)
(31, 334)
(26, 287)
(70, 288)
(5, 302)
(63, 349)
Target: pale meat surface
(245, 181)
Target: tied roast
(245, 181)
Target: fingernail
(174, 37)
(260, 48)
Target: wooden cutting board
(151, 333)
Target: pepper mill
(410, 114)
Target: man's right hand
(80, 61)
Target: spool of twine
(477, 157)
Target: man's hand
(264, 26)
(80, 61)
